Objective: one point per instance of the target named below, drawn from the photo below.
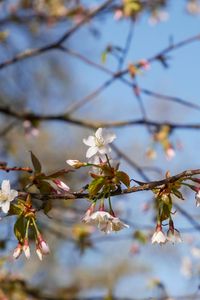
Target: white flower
(99, 142)
(173, 235)
(6, 196)
(197, 198)
(104, 221)
(159, 236)
(113, 224)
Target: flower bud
(75, 163)
(26, 249)
(43, 246)
(17, 251)
(39, 253)
(61, 185)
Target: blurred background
(76, 82)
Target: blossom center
(3, 196)
(99, 142)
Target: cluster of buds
(173, 235)
(104, 220)
(22, 247)
(42, 248)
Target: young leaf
(36, 163)
(95, 186)
(124, 178)
(19, 228)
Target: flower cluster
(173, 235)
(106, 179)
(42, 248)
(105, 221)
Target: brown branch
(143, 186)
(55, 45)
(93, 124)
(119, 75)
(8, 169)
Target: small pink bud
(43, 245)
(26, 249)
(44, 248)
(17, 251)
(61, 185)
(143, 63)
(39, 253)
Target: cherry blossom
(6, 196)
(104, 221)
(159, 236)
(99, 142)
(173, 235)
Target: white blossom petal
(13, 194)
(91, 151)
(159, 237)
(99, 133)
(5, 186)
(104, 150)
(108, 137)
(5, 206)
(90, 141)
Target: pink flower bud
(44, 248)
(39, 253)
(26, 249)
(43, 245)
(17, 251)
(61, 185)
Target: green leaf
(124, 178)
(96, 185)
(178, 194)
(19, 228)
(36, 163)
(165, 211)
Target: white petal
(91, 151)
(5, 207)
(109, 137)
(13, 194)
(90, 141)
(104, 150)
(5, 186)
(99, 133)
